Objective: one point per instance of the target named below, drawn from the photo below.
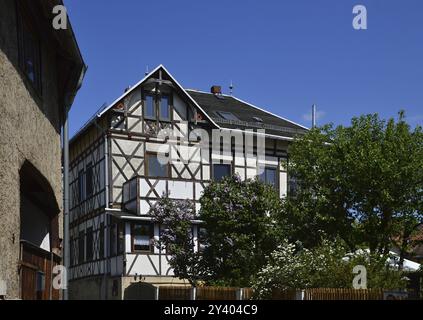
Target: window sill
(142, 252)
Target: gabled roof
(274, 125)
(104, 110)
(246, 115)
(160, 67)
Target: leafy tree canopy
(363, 183)
(240, 219)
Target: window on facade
(81, 190)
(81, 248)
(29, 54)
(101, 240)
(221, 171)
(89, 180)
(292, 186)
(164, 108)
(72, 251)
(150, 107)
(142, 235)
(113, 240)
(269, 176)
(117, 239)
(227, 115)
(202, 236)
(90, 250)
(121, 238)
(129, 190)
(155, 168)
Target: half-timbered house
(117, 173)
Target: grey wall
(29, 130)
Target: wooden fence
(217, 293)
(226, 293)
(328, 294)
(290, 294)
(203, 293)
(248, 294)
(174, 293)
(343, 294)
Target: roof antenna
(146, 70)
(231, 88)
(313, 116)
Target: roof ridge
(212, 94)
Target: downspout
(66, 245)
(106, 218)
(66, 250)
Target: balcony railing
(140, 193)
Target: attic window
(257, 119)
(150, 107)
(29, 53)
(227, 115)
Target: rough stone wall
(127, 287)
(29, 130)
(144, 289)
(93, 288)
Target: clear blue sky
(281, 55)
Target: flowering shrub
(328, 266)
(242, 228)
(175, 218)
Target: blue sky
(281, 55)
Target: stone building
(41, 69)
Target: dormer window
(164, 113)
(150, 107)
(227, 115)
(157, 107)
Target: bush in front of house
(329, 265)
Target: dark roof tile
(246, 114)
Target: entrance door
(36, 276)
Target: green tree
(241, 222)
(363, 183)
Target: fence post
(156, 293)
(240, 294)
(299, 295)
(193, 293)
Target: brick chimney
(216, 90)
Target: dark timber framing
(116, 146)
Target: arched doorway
(39, 235)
